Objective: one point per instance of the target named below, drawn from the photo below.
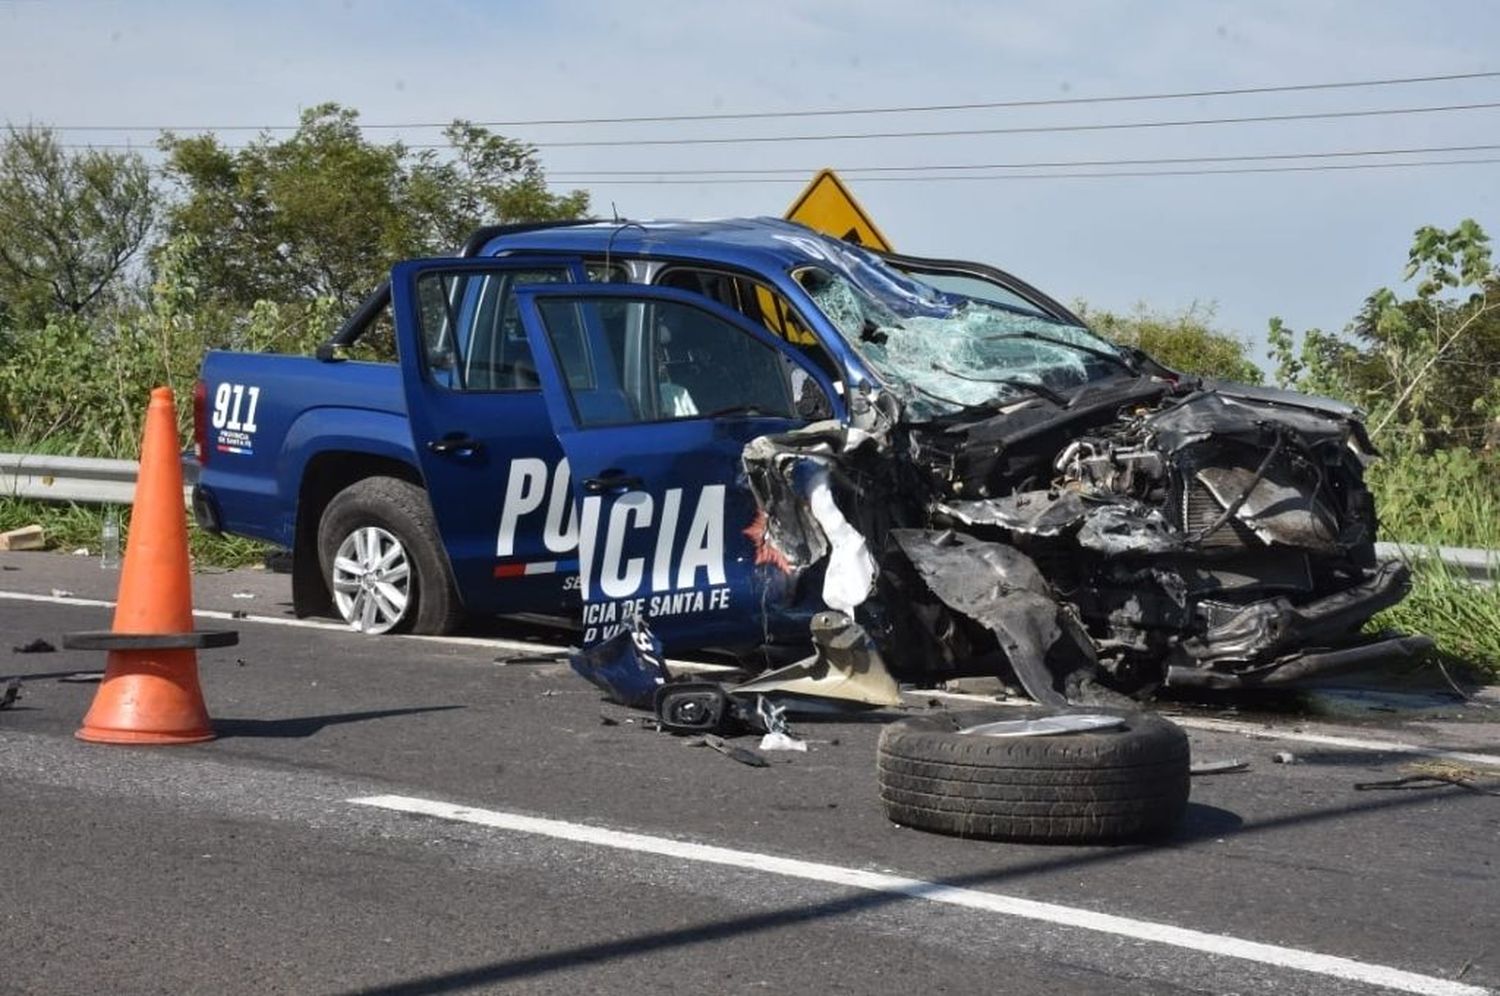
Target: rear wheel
(383, 560)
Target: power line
(830, 112)
(1014, 130)
(1041, 164)
(1070, 176)
(945, 133)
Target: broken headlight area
(1143, 533)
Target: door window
(471, 328)
(626, 360)
(759, 302)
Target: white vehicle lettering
(538, 500)
(232, 432)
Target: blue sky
(1305, 246)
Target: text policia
(655, 554)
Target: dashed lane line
(1220, 945)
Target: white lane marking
(1372, 744)
(913, 888)
(537, 649)
(483, 642)
(1331, 740)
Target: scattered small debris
(82, 551)
(82, 677)
(1284, 757)
(243, 594)
(504, 659)
(782, 741)
(239, 614)
(25, 538)
(61, 593)
(608, 721)
(549, 693)
(9, 567)
(1219, 767)
(240, 662)
(37, 646)
(1423, 782)
(11, 693)
(773, 718)
(1435, 774)
(744, 755)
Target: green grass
(1463, 618)
(72, 527)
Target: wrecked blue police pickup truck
(758, 438)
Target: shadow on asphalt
(306, 726)
(1202, 823)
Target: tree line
(116, 273)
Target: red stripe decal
(510, 570)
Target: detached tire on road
(383, 527)
(1124, 783)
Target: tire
(1128, 782)
(370, 528)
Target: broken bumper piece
(1306, 667)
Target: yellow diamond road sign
(827, 206)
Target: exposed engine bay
(1142, 532)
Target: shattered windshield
(942, 352)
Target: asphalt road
(246, 865)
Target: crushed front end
(1203, 535)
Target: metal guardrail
(89, 480)
(1479, 566)
(92, 480)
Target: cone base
(106, 736)
(148, 697)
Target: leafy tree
(1426, 366)
(322, 214)
(70, 225)
(1185, 341)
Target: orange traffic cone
(150, 692)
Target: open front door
(653, 395)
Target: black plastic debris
(11, 694)
(1224, 767)
(37, 646)
(743, 755)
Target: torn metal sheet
(628, 666)
(845, 666)
(1000, 588)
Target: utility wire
(1066, 176)
(1041, 164)
(1014, 130)
(831, 112)
(945, 133)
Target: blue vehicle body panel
(304, 408)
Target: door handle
(612, 481)
(455, 444)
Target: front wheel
(382, 558)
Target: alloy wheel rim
(371, 580)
